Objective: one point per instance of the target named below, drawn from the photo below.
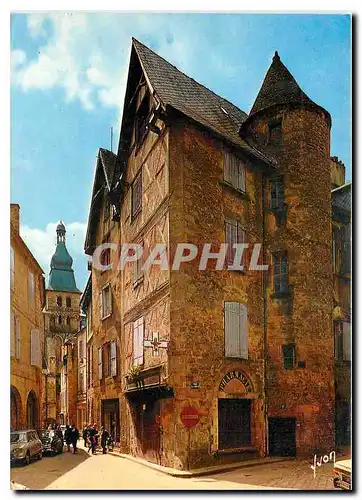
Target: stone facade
(27, 331)
(175, 175)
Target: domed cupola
(61, 273)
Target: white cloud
(18, 57)
(42, 243)
(87, 54)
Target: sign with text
(238, 375)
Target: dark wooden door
(151, 435)
(282, 442)
(234, 423)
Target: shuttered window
(234, 171)
(234, 233)
(113, 358)
(346, 341)
(236, 330)
(18, 338)
(31, 285)
(35, 347)
(276, 192)
(138, 327)
(137, 195)
(100, 363)
(280, 273)
(12, 334)
(105, 302)
(12, 268)
(288, 356)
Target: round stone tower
(286, 124)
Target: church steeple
(61, 277)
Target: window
(17, 337)
(342, 340)
(105, 302)
(137, 195)
(105, 257)
(275, 133)
(90, 366)
(138, 327)
(113, 358)
(12, 268)
(346, 249)
(335, 248)
(59, 301)
(234, 233)
(100, 363)
(31, 289)
(35, 347)
(59, 320)
(236, 330)
(288, 356)
(81, 349)
(234, 171)
(68, 320)
(141, 127)
(108, 358)
(81, 388)
(276, 193)
(12, 334)
(280, 274)
(68, 302)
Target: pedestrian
(104, 439)
(74, 436)
(67, 436)
(85, 435)
(92, 439)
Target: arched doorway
(15, 409)
(32, 411)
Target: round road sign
(190, 417)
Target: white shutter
(243, 331)
(109, 309)
(113, 358)
(100, 363)
(17, 337)
(231, 327)
(12, 335)
(346, 342)
(236, 330)
(138, 342)
(32, 347)
(101, 305)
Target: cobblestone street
(108, 472)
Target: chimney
(338, 172)
(15, 216)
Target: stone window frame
(281, 279)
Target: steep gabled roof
(279, 88)
(104, 172)
(184, 94)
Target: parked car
(25, 445)
(342, 473)
(51, 443)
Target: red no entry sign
(190, 417)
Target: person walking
(74, 436)
(67, 436)
(85, 435)
(104, 439)
(92, 439)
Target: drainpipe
(265, 319)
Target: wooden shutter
(100, 363)
(236, 327)
(346, 342)
(243, 331)
(138, 341)
(12, 268)
(17, 337)
(231, 232)
(101, 305)
(113, 358)
(12, 335)
(109, 291)
(241, 239)
(35, 347)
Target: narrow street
(108, 472)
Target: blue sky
(68, 80)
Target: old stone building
(81, 376)
(27, 292)
(203, 366)
(62, 316)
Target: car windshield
(17, 437)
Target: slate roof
(186, 95)
(341, 197)
(279, 87)
(108, 159)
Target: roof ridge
(189, 77)
(346, 184)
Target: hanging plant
(133, 373)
